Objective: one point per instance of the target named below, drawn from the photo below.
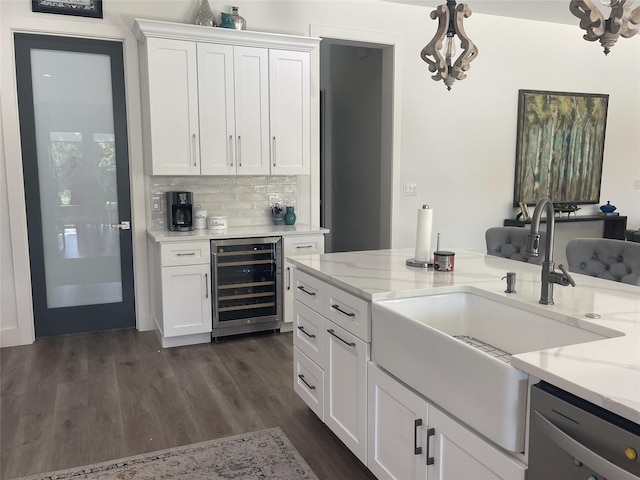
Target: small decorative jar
(226, 20)
(239, 23)
(608, 208)
(290, 216)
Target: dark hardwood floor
(82, 399)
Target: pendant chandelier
(607, 31)
(441, 58)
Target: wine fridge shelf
(246, 307)
(245, 262)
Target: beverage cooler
(246, 287)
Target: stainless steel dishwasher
(571, 438)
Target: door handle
(206, 285)
(311, 294)
(195, 150)
(274, 151)
(332, 332)
(310, 335)
(230, 154)
(126, 225)
(288, 278)
(311, 387)
(574, 448)
(239, 152)
(416, 449)
(348, 314)
(430, 433)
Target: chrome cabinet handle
(206, 285)
(348, 314)
(230, 154)
(274, 151)
(185, 254)
(430, 433)
(301, 328)
(238, 151)
(301, 377)
(304, 246)
(312, 294)
(332, 332)
(574, 448)
(416, 449)
(193, 151)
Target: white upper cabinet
(172, 102)
(290, 112)
(251, 69)
(224, 102)
(217, 109)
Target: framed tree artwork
(559, 147)
(82, 8)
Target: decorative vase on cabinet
(239, 23)
(290, 216)
(205, 15)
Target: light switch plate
(409, 189)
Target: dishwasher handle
(574, 448)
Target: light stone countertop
(604, 372)
(251, 231)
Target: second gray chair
(605, 258)
(511, 242)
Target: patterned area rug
(267, 454)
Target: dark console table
(614, 227)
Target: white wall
(458, 146)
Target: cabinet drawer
(308, 290)
(185, 253)
(308, 382)
(303, 245)
(308, 333)
(348, 311)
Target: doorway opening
(355, 144)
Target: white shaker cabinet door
(457, 453)
(289, 112)
(397, 429)
(345, 387)
(186, 300)
(251, 81)
(217, 109)
(173, 107)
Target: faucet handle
(566, 275)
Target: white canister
(217, 223)
(200, 219)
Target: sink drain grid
(485, 347)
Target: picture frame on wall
(559, 147)
(80, 8)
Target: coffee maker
(180, 211)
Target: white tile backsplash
(244, 200)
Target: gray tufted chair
(511, 242)
(605, 258)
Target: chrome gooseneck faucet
(549, 276)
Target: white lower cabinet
(345, 387)
(180, 291)
(186, 302)
(411, 439)
(331, 356)
(291, 247)
(398, 423)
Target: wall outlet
(409, 189)
(636, 183)
(156, 203)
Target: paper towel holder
(413, 262)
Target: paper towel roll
(423, 234)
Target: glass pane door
(73, 129)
